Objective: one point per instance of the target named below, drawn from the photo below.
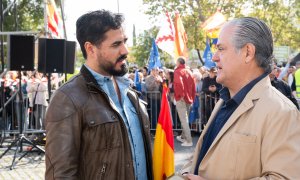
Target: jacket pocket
(104, 132)
(244, 138)
(246, 152)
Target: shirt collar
(104, 79)
(239, 97)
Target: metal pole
(63, 18)
(1, 29)
(45, 18)
(118, 6)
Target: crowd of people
(34, 95)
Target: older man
(254, 130)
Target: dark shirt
(227, 109)
(285, 89)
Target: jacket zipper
(102, 171)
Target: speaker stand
(49, 85)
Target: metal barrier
(206, 105)
(16, 115)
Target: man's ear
(250, 52)
(89, 48)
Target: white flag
(165, 39)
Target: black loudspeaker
(20, 53)
(52, 55)
(70, 56)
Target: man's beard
(112, 71)
(121, 72)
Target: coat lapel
(248, 102)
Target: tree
(281, 16)
(281, 19)
(25, 15)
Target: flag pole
(201, 60)
(45, 18)
(118, 6)
(46, 32)
(63, 18)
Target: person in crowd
(282, 86)
(254, 130)
(172, 102)
(211, 89)
(296, 82)
(289, 78)
(195, 111)
(38, 87)
(97, 127)
(203, 72)
(153, 84)
(162, 74)
(184, 94)
(145, 71)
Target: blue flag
(154, 59)
(137, 82)
(207, 56)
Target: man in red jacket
(184, 94)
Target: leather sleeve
(63, 128)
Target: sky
(132, 10)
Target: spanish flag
(163, 153)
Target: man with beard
(97, 128)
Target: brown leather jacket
(86, 136)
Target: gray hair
(254, 31)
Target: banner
(165, 38)
(207, 56)
(154, 59)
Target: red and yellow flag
(213, 24)
(180, 38)
(163, 153)
(54, 20)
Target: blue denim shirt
(130, 118)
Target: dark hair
(254, 31)
(146, 68)
(91, 27)
(171, 74)
(181, 60)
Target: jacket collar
(87, 75)
(180, 66)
